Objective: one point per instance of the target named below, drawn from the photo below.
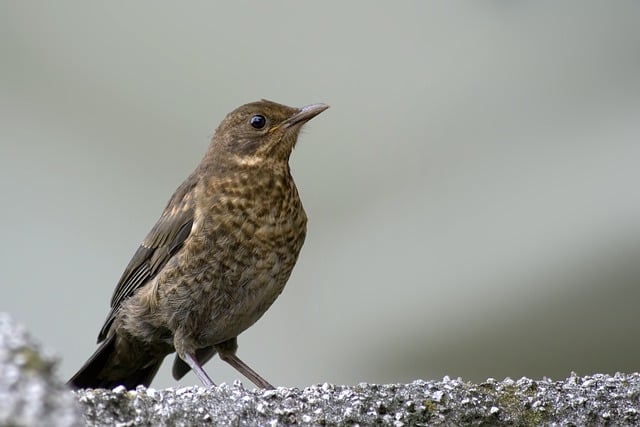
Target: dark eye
(258, 121)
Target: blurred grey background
(472, 192)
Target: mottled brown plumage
(215, 261)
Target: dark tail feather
(100, 371)
(180, 367)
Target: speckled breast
(237, 260)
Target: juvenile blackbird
(217, 258)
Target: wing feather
(163, 241)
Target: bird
(216, 259)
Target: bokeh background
(473, 192)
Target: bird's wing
(163, 241)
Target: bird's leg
(227, 352)
(187, 353)
(197, 369)
(245, 370)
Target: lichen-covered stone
(592, 400)
(30, 393)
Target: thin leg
(245, 370)
(197, 369)
(180, 367)
(227, 352)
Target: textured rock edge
(31, 394)
(589, 400)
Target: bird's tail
(109, 368)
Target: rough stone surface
(591, 400)
(30, 394)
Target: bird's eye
(258, 121)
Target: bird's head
(262, 131)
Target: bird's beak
(305, 114)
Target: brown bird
(217, 258)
